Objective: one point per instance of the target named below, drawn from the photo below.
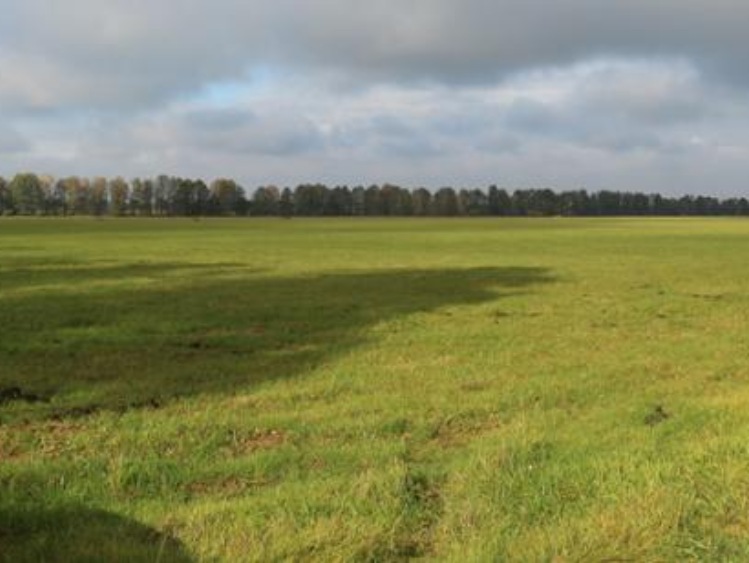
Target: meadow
(374, 389)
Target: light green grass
(375, 390)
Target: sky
(646, 95)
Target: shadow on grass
(25, 274)
(190, 329)
(81, 534)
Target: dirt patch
(258, 439)
(50, 439)
(55, 437)
(10, 447)
(656, 416)
(460, 431)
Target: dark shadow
(220, 331)
(26, 275)
(81, 534)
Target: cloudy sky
(620, 94)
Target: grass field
(374, 390)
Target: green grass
(374, 390)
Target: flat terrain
(531, 390)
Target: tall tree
(181, 200)
(77, 195)
(26, 193)
(358, 196)
(47, 184)
(575, 203)
(339, 201)
(6, 203)
(311, 199)
(373, 201)
(56, 200)
(141, 197)
(265, 201)
(201, 198)
(421, 201)
(119, 195)
(474, 202)
(395, 200)
(163, 194)
(389, 199)
(227, 194)
(608, 202)
(445, 202)
(98, 196)
(286, 203)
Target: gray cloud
(120, 53)
(613, 104)
(626, 93)
(235, 130)
(228, 130)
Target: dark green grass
(374, 389)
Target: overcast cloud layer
(623, 94)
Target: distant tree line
(169, 196)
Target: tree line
(170, 196)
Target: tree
(339, 201)
(6, 203)
(265, 200)
(389, 199)
(358, 195)
(575, 203)
(543, 203)
(286, 203)
(310, 199)
(405, 203)
(226, 193)
(498, 201)
(181, 200)
(119, 192)
(47, 184)
(163, 193)
(98, 196)
(445, 202)
(77, 195)
(372, 201)
(421, 201)
(56, 201)
(26, 193)
(201, 198)
(474, 202)
(609, 203)
(187, 197)
(395, 200)
(141, 197)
